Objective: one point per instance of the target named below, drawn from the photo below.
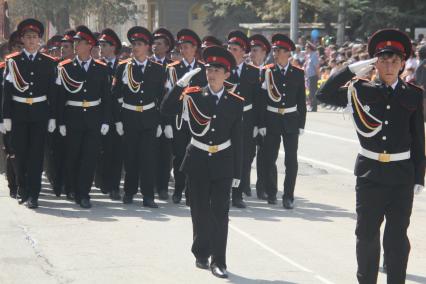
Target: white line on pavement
(331, 136)
(281, 256)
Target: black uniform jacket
(401, 115)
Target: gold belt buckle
(86, 104)
(213, 149)
(384, 157)
(281, 110)
(139, 108)
(29, 101)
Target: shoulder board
(124, 61)
(155, 62)
(417, 87)
(12, 55)
(202, 62)
(56, 59)
(269, 66)
(297, 67)
(191, 90)
(237, 96)
(173, 64)
(64, 62)
(2, 64)
(252, 66)
(100, 62)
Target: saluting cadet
(189, 43)
(140, 82)
(214, 156)
(245, 82)
(84, 113)
(260, 48)
(28, 107)
(284, 89)
(110, 164)
(388, 118)
(162, 46)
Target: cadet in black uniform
(214, 156)
(189, 43)
(84, 113)
(245, 82)
(208, 41)
(284, 89)
(388, 117)
(111, 161)
(28, 107)
(67, 45)
(141, 83)
(162, 46)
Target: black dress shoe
(177, 197)
(13, 194)
(70, 196)
(288, 204)
(163, 195)
(22, 199)
(202, 263)
(85, 203)
(149, 203)
(219, 271)
(261, 195)
(127, 199)
(239, 203)
(57, 190)
(104, 190)
(187, 202)
(32, 203)
(272, 200)
(247, 191)
(115, 195)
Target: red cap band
(188, 38)
(220, 60)
(67, 38)
(108, 38)
(281, 43)
(140, 36)
(238, 41)
(258, 43)
(395, 44)
(30, 27)
(86, 37)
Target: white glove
(2, 130)
(418, 188)
(168, 132)
(7, 123)
(262, 131)
(301, 131)
(361, 68)
(235, 183)
(159, 131)
(119, 128)
(51, 126)
(104, 129)
(255, 132)
(184, 81)
(63, 130)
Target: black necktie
(283, 71)
(216, 99)
(109, 64)
(83, 64)
(141, 67)
(389, 92)
(31, 57)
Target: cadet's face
(82, 47)
(187, 50)
(55, 53)
(106, 49)
(388, 67)
(237, 51)
(67, 50)
(31, 41)
(257, 54)
(160, 47)
(216, 75)
(95, 53)
(140, 48)
(281, 54)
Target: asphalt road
(115, 243)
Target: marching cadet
(163, 44)
(189, 43)
(84, 113)
(260, 48)
(67, 45)
(28, 107)
(245, 82)
(214, 156)
(141, 83)
(388, 118)
(110, 164)
(284, 89)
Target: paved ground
(114, 243)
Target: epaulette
(56, 59)
(152, 61)
(191, 90)
(237, 96)
(251, 65)
(100, 62)
(124, 61)
(12, 55)
(64, 62)
(297, 67)
(2, 64)
(417, 87)
(173, 64)
(268, 66)
(202, 62)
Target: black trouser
(56, 160)
(313, 87)
(249, 150)
(374, 201)
(10, 166)
(82, 151)
(164, 163)
(260, 167)
(110, 165)
(28, 142)
(209, 201)
(272, 147)
(139, 161)
(181, 139)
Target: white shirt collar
(218, 94)
(112, 60)
(142, 63)
(239, 68)
(88, 61)
(159, 59)
(285, 67)
(28, 54)
(394, 84)
(192, 63)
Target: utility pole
(341, 23)
(294, 20)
